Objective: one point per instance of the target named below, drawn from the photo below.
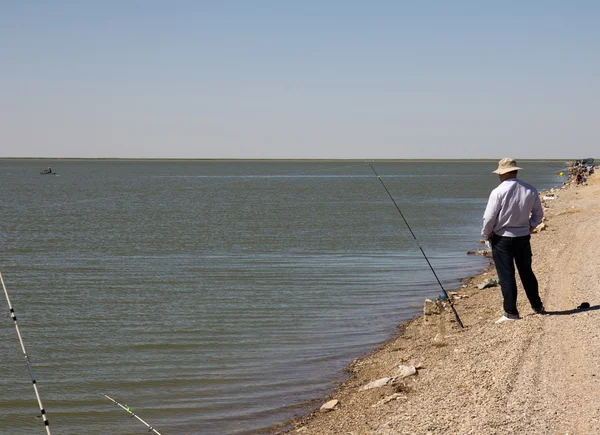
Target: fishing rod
(128, 409)
(419, 245)
(37, 394)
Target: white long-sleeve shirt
(512, 208)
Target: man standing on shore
(512, 213)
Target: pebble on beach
(377, 383)
(405, 371)
(430, 308)
(330, 406)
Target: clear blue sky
(300, 79)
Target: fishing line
(419, 245)
(556, 166)
(131, 414)
(243, 179)
(37, 394)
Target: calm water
(217, 297)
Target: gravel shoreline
(514, 377)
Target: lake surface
(217, 297)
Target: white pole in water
(37, 394)
(128, 409)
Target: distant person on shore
(512, 213)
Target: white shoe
(504, 319)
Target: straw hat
(506, 165)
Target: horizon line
(276, 159)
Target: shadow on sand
(579, 309)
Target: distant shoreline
(270, 159)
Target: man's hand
(531, 229)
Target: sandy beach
(537, 375)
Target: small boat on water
(47, 173)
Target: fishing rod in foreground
(419, 245)
(37, 394)
(131, 414)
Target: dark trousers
(507, 252)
